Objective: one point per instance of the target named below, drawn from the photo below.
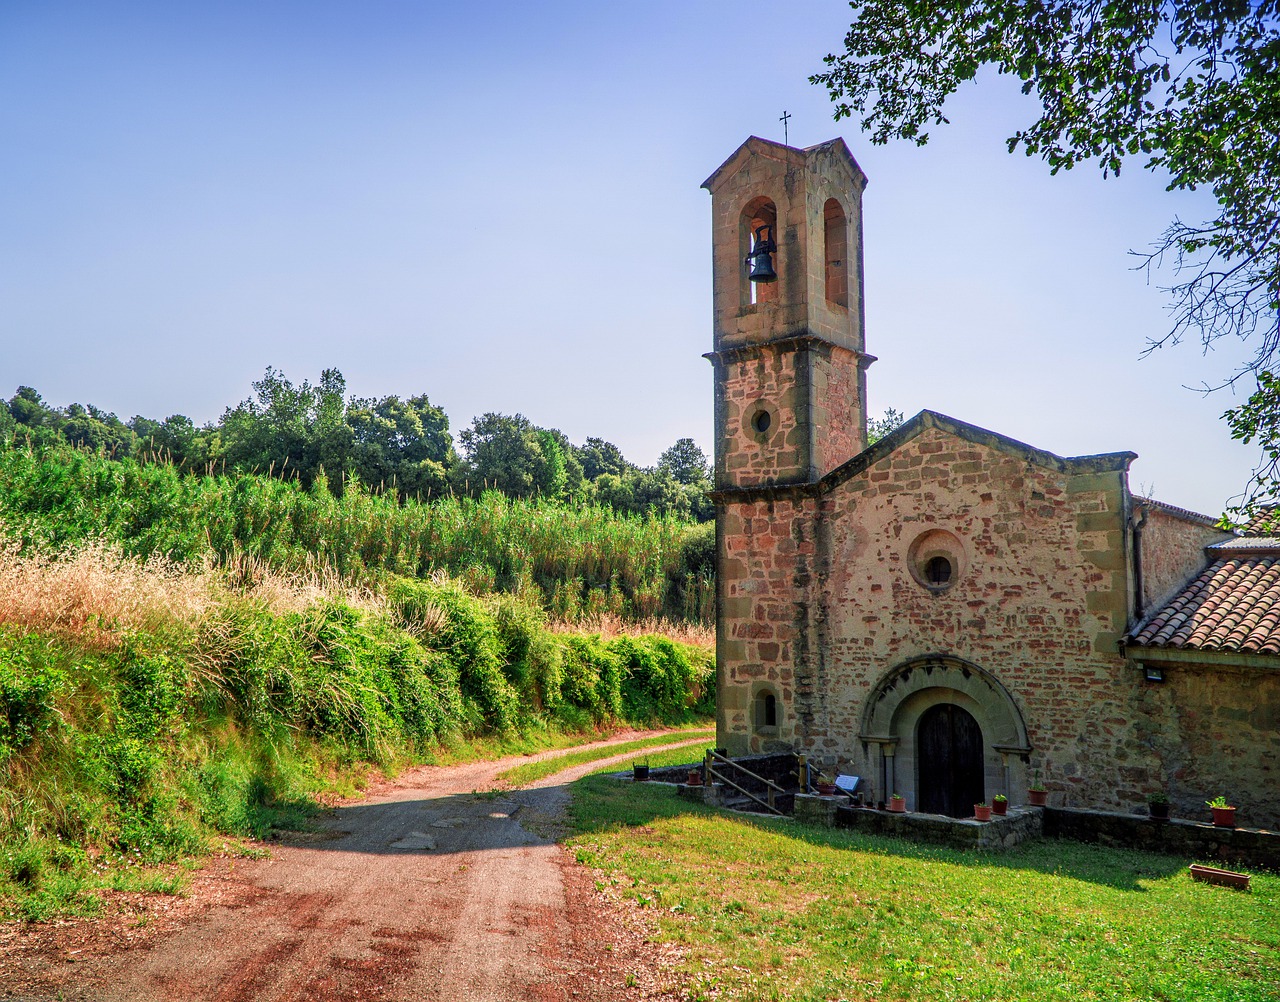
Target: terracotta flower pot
(1224, 817)
(826, 789)
(982, 812)
(695, 777)
(1000, 807)
(1037, 798)
(898, 805)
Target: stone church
(950, 613)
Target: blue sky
(497, 204)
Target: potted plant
(825, 784)
(1037, 794)
(1158, 806)
(1000, 804)
(1224, 814)
(695, 777)
(640, 771)
(982, 812)
(898, 804)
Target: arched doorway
(949, 760)
(896, 761)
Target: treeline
(575, 561)
(401, 447)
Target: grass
(802, 913)
(531, 772)
(579, 563)
(76, 891)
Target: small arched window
(836, 246)
(756, 213)
(766, 709)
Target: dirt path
(425, 889)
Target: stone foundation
(1189, 839)
(1020, 824)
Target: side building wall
(1213, 729)
(1172, 553)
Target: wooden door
(949, 761)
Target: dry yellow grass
(94, 594)
(610, 626)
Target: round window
(759, 421)
(936, 559)
(938, 571)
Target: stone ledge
(1020, 824)
(1189, 839)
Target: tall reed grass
(576, 562)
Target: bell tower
(790, 400)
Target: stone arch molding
(911, 687)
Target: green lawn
(775, 910)
(529, 772)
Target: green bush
(142, 751)
(29, 688)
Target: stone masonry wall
(1039, 601)
(773, 380)
(839, 408)
(1210, 730)
(765, 565)
(1172, 554)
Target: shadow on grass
(602, 803)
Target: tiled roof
(1244, 544)
(1233, 605)
(1265, 522)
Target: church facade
(950, 613)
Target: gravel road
(434, 886)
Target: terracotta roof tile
(1233, 605)
(1265, 522)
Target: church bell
(761, 257)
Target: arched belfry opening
(759, 212)
(836, 252)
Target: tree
(401, 443)
(176, 439)
(644, 492)
(28, 408)
(507, 453)
(878, 428)
(597, 457)
(289, 429)
(1191, 87)
(686, 462)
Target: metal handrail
(771, 787)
